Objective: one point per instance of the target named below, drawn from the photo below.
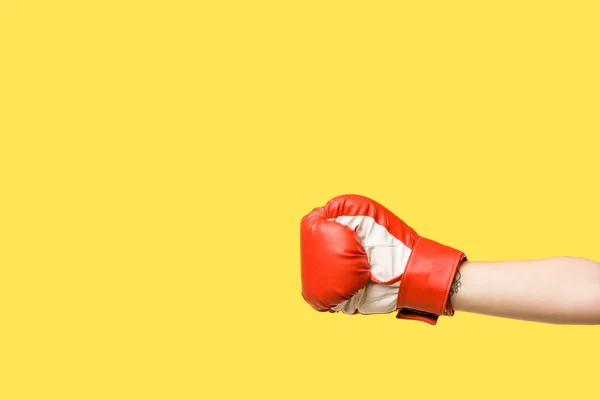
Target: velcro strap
(426, 281)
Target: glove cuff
(426, 281)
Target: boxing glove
(359, 257)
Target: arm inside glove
(561, 290)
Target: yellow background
(156, 159)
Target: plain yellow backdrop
(156, 159)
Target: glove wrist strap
(426, 281)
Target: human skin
(558, 290)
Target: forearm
(561, 290)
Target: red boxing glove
(358, 257)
